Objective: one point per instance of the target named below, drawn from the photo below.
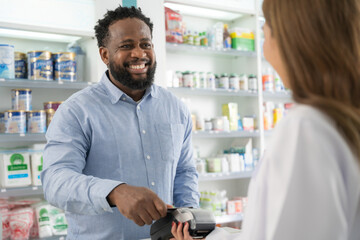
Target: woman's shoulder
(302, 117)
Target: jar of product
(20, 65)
(196, 79)
(40, 65)
(203, 80)
(208, 126)
(21, 99)
(217, 81)
(15, 121)
(243, 82)
(52, 105)
(188, 79)
(49, 116)
(218, 124)
(210, 78)
(180, 77)
(196, 39)
(253, 86)
(224, 81)
(268, 80)
(65, 66)
(200, 165)
(36, 121)
(234, 81)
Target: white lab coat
(306, 187)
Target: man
(120, 150)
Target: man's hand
(137, 203)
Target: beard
(121, 75)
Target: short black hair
(102, 28)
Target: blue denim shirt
(100, 138)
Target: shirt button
(143, 131)
(138, 107)
(148, 157)
(152, 183)
(124, 99)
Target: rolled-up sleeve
(186, 192)
(64, 183)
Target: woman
(307, 185)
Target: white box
(15, 169)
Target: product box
(173, 26)
(36, 167)
(15, 168)
(242, 39)
(231, 111)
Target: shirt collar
(115, 93)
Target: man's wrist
(110, 198)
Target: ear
(104, 54)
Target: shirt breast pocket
(171, 137)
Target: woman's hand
(179, 233)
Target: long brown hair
(319, 42)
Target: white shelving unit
(208, 50)
(226, 134)
(224, 176)
(207, 102)
(228, 218)
(212, 92)
(27, 83)
(21, 191)
(27, 137)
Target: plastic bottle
(252, 80)
(210, 78)
(204, 39)
(243, 82)
(234, 81)
(226, 37)
(224, 81)
(196, 39)
(196, 79)
(203, 80)
(219, 35)
(268, 79)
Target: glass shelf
(26, 83)
(279, 95)
(224, 176)
(228, 218)
(174, 47)
(16, 137)
(223, 134)
(212, 92)
(220, 10)
(21, 191)
(62, 237)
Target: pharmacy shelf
(225, 134)
(62, 35)
(206, 5)
(278, 95)
(174, 47)
(16, 137)
(62, 237)
(212, 92)
(224, 176)
(26, 83)
(228, 218)
(21, 191)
